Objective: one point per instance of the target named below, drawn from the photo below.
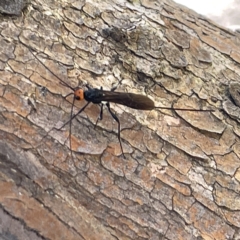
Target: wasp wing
(132, 100)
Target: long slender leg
(67, 94)
(115, 87)
(100, 115)
(75, 115)
(70, 127)
(70, 130)
(119, 126)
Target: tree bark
(180, 178)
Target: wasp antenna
(66, 85)
(70, 130)
(69, 95)
(187, 109)
(55, 75)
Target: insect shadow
(98, 96)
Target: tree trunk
(180, 175)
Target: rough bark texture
(180, 178)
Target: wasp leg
(119, 126)
(100, 117)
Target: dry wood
(180, 178)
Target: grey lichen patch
(12, 7)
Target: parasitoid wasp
(97, 96)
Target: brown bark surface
(180, 178)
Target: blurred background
(224, 12)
